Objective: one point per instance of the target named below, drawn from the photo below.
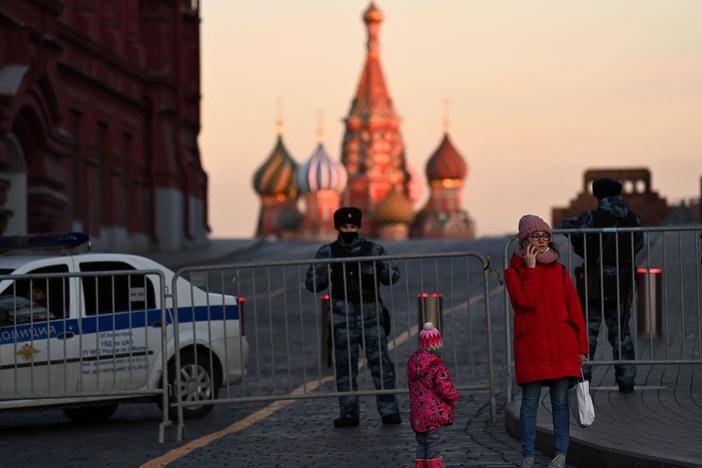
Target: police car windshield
(6, 271)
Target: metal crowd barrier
(292, 349)
(82, 338)
(662, 310)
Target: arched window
(16, 176)
(628, 186)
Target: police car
(84, 331)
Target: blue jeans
(531, 393)
(428, 444)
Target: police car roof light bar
(69, 240)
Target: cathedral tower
(372, 150)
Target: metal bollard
(326, 330)
(429, 309)
(649, 301)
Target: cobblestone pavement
(302, 434)
(299, 435)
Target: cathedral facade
(99, 118)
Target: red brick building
(99, 117)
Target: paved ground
(302, 435)
(658, 425)
(215, 251)
(299, 435)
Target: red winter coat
(549, 328)
(432, 395)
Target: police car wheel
(196, 383)
(90, 414)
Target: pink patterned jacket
(432, 395)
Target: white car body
(96, 352)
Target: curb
(584, 453)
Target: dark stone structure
(99, 117)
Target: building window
(126, 150)
(75, 169)
(148, 206)
(116, 12)
(102, 166)
(628, 186)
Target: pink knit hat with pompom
(430, 337)
(532, 223)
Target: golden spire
(373, 17)
(279, 116)
(320, 126)
(373, 14)
(445, 121)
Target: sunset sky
(539, 91)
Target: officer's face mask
(348, 237)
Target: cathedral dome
(446, 162)
(393, 209)
(320, 172)
(277, 175)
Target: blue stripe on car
(108, 322)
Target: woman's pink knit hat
(532, 223)
(430, 337)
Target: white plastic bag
(581, 403)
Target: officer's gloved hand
(369, 268)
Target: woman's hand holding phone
(530, 255)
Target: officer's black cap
(347, 215)
(606, 187)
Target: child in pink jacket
(432, 396)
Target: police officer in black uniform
(607, 268)
(358, 317)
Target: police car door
(121, 326)
(38, 333)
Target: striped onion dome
(277, 175)
(393, 209)
(320, 172)
(446, 162)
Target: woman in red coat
(550, 338)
